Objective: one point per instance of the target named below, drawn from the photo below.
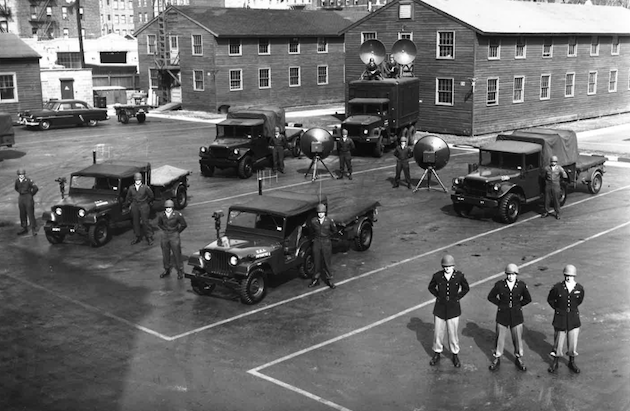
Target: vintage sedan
(63, 113)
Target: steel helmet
(137, 176)
(511, 269)
(321, 208)
(403, 139)
(448, 261)
(570, 269)
(169, 203)
(554, 158)
(21, 171)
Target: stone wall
(51, 83)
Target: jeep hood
(362, 120)
(257, 246)
(89, 202)
(230, 142)
(491, 174)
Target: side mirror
(473, 167)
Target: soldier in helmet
(510, 296)
(402, 153)
(345, 146)
(278, 144)
(565, 298)
(552, 175)
(448, 286)
(26, 189)
(172, 223)
(139, 199)
(322, 229)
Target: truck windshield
(358, 109)
(238, 131)
(254, 220)
(498, 159)
(94, 183)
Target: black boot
(456, 362)
(496, 362)
(572, 366)
(520, 364)
(314, 283)
(554, 366)
(24, 231)
(180, 274)
(331, 284)
(165, 273)
(136, 240)
(435, 359)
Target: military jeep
(269, 236)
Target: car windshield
(94, 183)
(248, 219)
(497, 159)
(238, 131)
(357, 109)
(50, 105)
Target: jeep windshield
(357, 109)
(497, 159)
(231, 131)
(90, 183)
(258, 221)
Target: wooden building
(245, 57)
(495, 65)
(20, 84)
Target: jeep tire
(207, 171)
(363, 240)
(596, 182)
(181, 197)
(99, 234)
(307, 268)
(202, 288)
(246, 167)
(141, 117)
(54, 238)
(379, 149)
(509, 208)
(462, 210)
(296, 150)
(253, 288)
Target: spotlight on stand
(431, 153)
(317, 143)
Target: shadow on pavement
(485, 339)
(424, 333)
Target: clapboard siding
(28, 85)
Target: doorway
(67, 88)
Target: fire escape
(166, 57)
(5, 16)
(42, 18)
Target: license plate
(56, 229)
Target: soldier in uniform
(26, 189)
(345, 146)
(565, 298)
(552, 175)
(391, 68)
(322, 229)
(139, 199)
(448, 286)
(402, 153)
(278, 144)
(172, 223)
(372, 72)
(509, 295)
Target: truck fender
(195, 260)
(47, 216)
(511, 188)
(352, 230)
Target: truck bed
(586, 162)
(163, 176)
(344, 211)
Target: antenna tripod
(313, 166)
(427, 172)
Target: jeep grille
(218, 264)
(219, 152)
(353, 130)
(476, 187)
(69, 215)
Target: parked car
(63, 113)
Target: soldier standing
(172, 223)
(345, 146)
(565, 298)
(26, 189)
(509, 295)
(552, 174)
(139, 199)
(278, 144)
(322, 229)
(448, 286)
(402, 153)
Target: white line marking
(256, 371)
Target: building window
(494, 49)
(198, 80)
(234, 47)
(263, 46)
(146, 17)
(66, 33)
(572, 49)
(322, 45)
(518, 95)
(294, 45)
(547, 50)
(521, 48)
(115, 4)
(569, 85)
(123, 19)
(49, 11)
(444, 92)
(614, 47)
(64, 13)
(236, 80)
(405, 35)
(264, 78)
(594, 46)
(116, 21)
(367, 35)
(545, 85)
(8, 92)
(492, 98)
(151, 46)
(294, 77)
(405, 11)
(592, 82)
(446, 44)
(197, 47)
(153, 78)
(612, 81)
(69, 59)
(322, 75)
(122, 4)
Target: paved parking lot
(95, 328)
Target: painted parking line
(256, 371)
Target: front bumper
(212, 279)
(481, 202)
(218, 162)
(65, 229)
(28, 122)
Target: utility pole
(77, 5)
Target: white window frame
(550, 53)
(595, 46)
(524, 44)
(15, 98)
(324, 66)
(548, 88)
(437, 91)
(268, 78)
(320, 41)
(567, 85)
(151, 44)
(367, 35)
(408, 7)
(405, 35)
(439, 46)
(240, 47)
(268, 47)
(65, 33)
(615, 46)
(151, 85)
(299, 72)
(588, 83)
(613, 77)
(575, 46)
(195, 79)
(192, 44)
(240, 79)
(490, 102)
(498, 49)
(291, 42)
(522, 90)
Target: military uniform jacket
(552, 176)
(280, 141)
(565, 305)
(345, 146)
(323, 231)
(175, 223)
(403, 154)
(509, 302)
(448, 293)
(26, 187)
(143, 195)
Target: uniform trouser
(445, 326)
(140, 216)
(558, 342)
(552, 196)
(26, 204)
(517, 339)
(171, 244)
(322, 252)
(345, 162)
(402, 166)
(278, 158)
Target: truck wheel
(246, 167)
(181, 197)
(54, 238)
(254, 288)
(596, 182)
(44, 125)
(462, 210)
(563, 195)
(509, 208)
(296, 150)
(141, 117)
(201, 288)
(412, 135)
(207, 171)
(363, 240)
(123, 118)
(379, 149)
(99, 234)
(307, 268)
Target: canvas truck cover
(560, 143)
(272, 116)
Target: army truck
(243, 138)
(379, 112)
(509, 172)
(95, 203)
(268, 236)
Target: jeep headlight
(457, 181)
(233, 260)
(236, 151)
(58, 210)
(203, 149)
(496, 187)
(365, 131)
(207, 255)
(81, 213)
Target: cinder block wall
(51, 83)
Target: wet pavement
(96, 329)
